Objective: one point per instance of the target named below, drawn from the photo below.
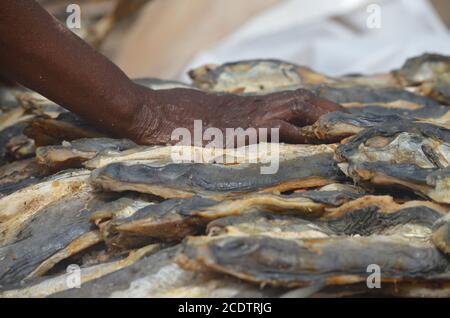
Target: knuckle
(302, 93)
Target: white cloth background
(331, 36)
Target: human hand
(160, 112)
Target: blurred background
(165, 38)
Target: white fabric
(331, 36)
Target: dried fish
(255, 76)
(54, 233)
(264, 153)
(6, 135)
(18, 174)
(8, 98)
(429, 74)
(122, 208)
(403, 154)
(158, 276)
(111, 213)
(12, 117)
(367, 215)
(18, 207)
(38, 105)
(336, 126)
(366, 101)
(173, 220)
(47, 286)
(263, 76)
(441, 234)
(66, 127)
(216, 181)
(284, 250)
(268, 224)
(434, 286)
(73, 154)
(23, 107)
(295, 263)
(20, 147)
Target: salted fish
(405, 154)
(172, 220)
(216, 181)
(53, 131)
(336, 126)
(255, 76)
(261, 153)
(46, 286)
(428, 74)
(158, 276)
(368, 215)
(295, 263)
(335, 248)
(19, 174)
(441, 234)
(56, 232)
(73, 154)
(18, 207)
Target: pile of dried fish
(369, 189)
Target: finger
(307, 108)
(287, 133)
(299, 107)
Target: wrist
(143, 116)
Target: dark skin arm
(40, 53)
